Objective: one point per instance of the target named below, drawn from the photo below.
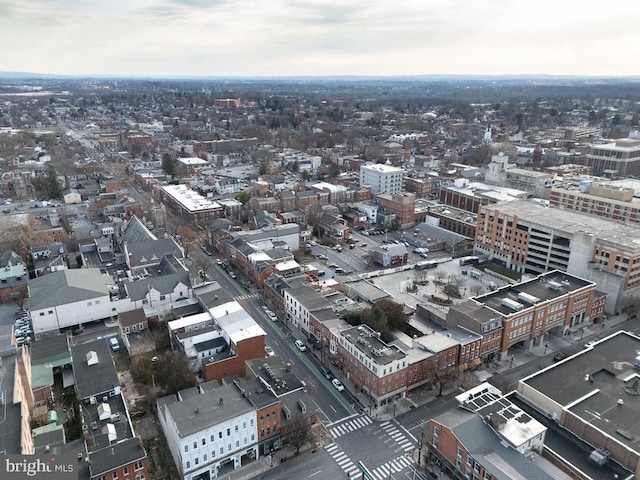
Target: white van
(115, 345)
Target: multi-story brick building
(602, 200)
(419, 186)
(528, 237)
(620, 158)
(489, 438)
(525, 313)
(403, 206)
(190, 205)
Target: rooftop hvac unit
(526, 298)
(512, 304)
(554, 285)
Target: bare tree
(298, 431)
(439, 277)
(189, 239)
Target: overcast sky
(320, 37)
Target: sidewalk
(319, 438)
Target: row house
(377, 369)
(269, 204)
(208, 429)
(300, 302)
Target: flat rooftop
(365, 340)
(543, 288)
(569, 222)
(590, 384)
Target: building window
(195, 445)
(228, 432)
(203, 441)
(115, 475)
(186, 448)
(125, 470)
(219, 434)
(188, 464)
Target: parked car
(265, 308)
(590, 344)
(300, 346)
(115, 345)
(337, 384)
(340, 270)
(559, 356)
(218, 261)
(363, 244)
(232, 274)
(269, 351)
(326, 372)
(272, 316)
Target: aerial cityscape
(319, 240)
(326, 279)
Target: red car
(363, 245)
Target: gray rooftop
(366, 340)
(568, 222)
(205, 410)
(116, 455)
(67, 286)
(93, 380)
(590, 383)
(138, 289)
(309, 298)
(503, 463)
(543, 288)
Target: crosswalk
(397, 436)
(350, 426)
(384, 472)
(246, 296)
(343, 461)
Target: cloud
(297, 37)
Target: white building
(69, 298)
(210, 430)
(300, 302)
(382, 178)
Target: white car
(269, 351)
(337, 384)
(272, 316)
(301, 346)
(115, 345)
